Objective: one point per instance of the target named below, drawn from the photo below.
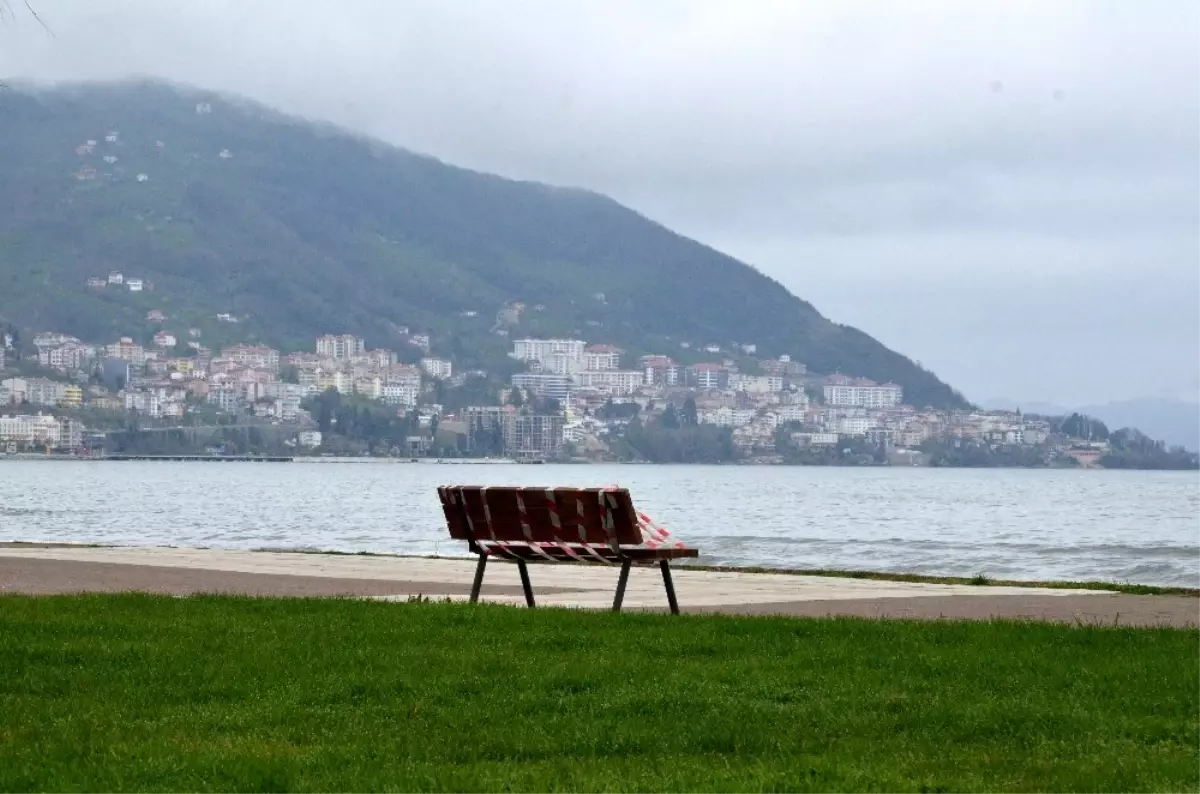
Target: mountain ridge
(301, 227)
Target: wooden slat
(493, 513)
(454, 517)
(635, 553)
(491, 516)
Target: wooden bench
(583, 525)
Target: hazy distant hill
(299, 228)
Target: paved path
(63, 569)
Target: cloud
(981, 185)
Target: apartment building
(288, 397)
(523, 435)
(144, 402)
(438, 368)
(39, 430)
(340, 347)
(861, 392)
(707, 376)
(756, 384)
(790, 413)
(533, 436)
(601, 357)
(543, 384)
(853, 425)
(403, 375)
(400, 394)
(67, 357)
(127, 350)
(254, 356)
(728, 417)
(557, 364)
(783, 367)
(660, 370)
(538, 349)
(375, 359)
(612, 381)
(165, 339)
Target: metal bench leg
(524, 569)
(621, 582)
(666, 572)
(478, 583)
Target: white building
(144, 402)
(340, 347)
(25, 429)
(288, 397)
(255, 356)
(862, 393)
(790, 413)
(543, 384)
(601, 357)
(815, 439)
(557, 364)
(400, 394)
(756, 384)
(403, 375)
(612, 381)
(165, 339)
(36, 391)
(226, 397)
(706, 376)
(437, 367)
(660, 370)
(727, 417)
(69, 357)
(537, 349)
(853, 425)
(115, 278)
(379, 358)
(309, 438)
(127, 350)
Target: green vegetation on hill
(121, 693)
(304, 229)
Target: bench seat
(578, 525)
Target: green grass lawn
(114, 693)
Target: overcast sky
(1008, 192)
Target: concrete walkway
(57, 569)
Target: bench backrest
(601, 516)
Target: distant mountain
(1173, 421)
(299, 228)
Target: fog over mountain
(1006, 191)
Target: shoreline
(38, 571)
(982, 582)
(35, 456)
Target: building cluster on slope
(158, 383)
(565, 388)
(816, 410)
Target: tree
(670, 418)
(688, 416)
(515, 398)
(1085, 427)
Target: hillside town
(567, 400)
